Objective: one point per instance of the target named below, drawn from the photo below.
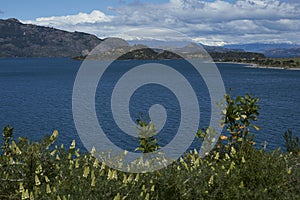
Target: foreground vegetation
(233, 170)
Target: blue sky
(31, 9)
(213, 22)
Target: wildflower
(211, 180)
(47, 179)
(37, 180)
(72, 145)
(117, 197)
(86, 171)
(243, 160)
(25, 194)
(152, 188)
(93, 151)
(147, 196)
(48, 190)
(241, 184)
(31, 196)
(137, 177)
(76, 164)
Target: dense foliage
(233, 170)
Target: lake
(36, 98)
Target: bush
(233, 170)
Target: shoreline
(253, 65)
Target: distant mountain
(280, 50)
(283, 53)
(260, 47)
(26, 40)
(221, 49)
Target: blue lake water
(36, 98)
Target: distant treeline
(280, 62)
(234, 56)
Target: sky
(211, 22)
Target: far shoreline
(253, 65)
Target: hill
(27, 40)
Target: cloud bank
(214, 23)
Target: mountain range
(28, 40)
(275, 50)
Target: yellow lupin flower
(48, 189)
(101, 172)
(233, 151)
(93, 151)
(93, 183)
(11, 161)
(196, 152)
(141, 194)
(109, 174)
(76, 164)
(147, 196)
(25, 194)
(31, 196)
(241, 184)
(15, 147)
(77, 154)
(115, 175)
(37, 180)
(232, 165)
(86, 171)
(54, 134)
(152, 188)
(117, 197)
(137, 177)
(228, 171)
(73, 145)
(53, 152)
(102, 166)
(21, 187)
(217, 156)
(96, 163)
(124, 179)
(211, 180)
(47, 179)
(227, 157)
(71, 164)
(39, 169)
(243, 160)
(130, 177)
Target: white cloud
(81, 18)
(216, 22)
